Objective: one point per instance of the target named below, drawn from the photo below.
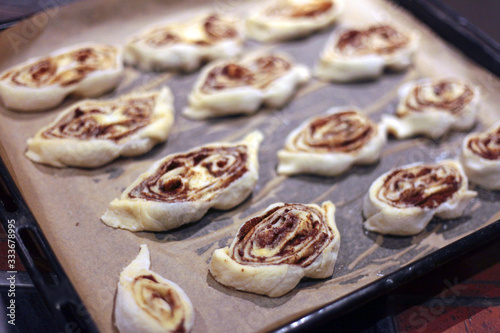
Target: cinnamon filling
(197, 175)
(443, 95)
(104, 121)
(486, 145)
(344, 132)
(258, 73)
(64, 69)
(291, 234)
(426, 186)
(382, 39)
(160, 301)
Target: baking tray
(355, 288)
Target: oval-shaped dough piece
(360, 54)
(87, 70)
(92, 133)
(433, 108)
(330, 144)
(148, 303)
(185, 46)
(273, 251)
(481, 157)
(404, 200)
(243, 86)
(181, 188)
(282, 20)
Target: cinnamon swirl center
(104, 121)
(160, 301)
(291, 234)
(486, 145)
(344, 132)
(425, 186)
(197, 175)
(64, 69)
(382, 39)
(446, 95)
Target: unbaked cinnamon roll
(242, 86)
(181, 188)
(481, 157)
(404, 200)
(148, 303)
(288, 19)
(86, 70)
(358, 54)
(273, 251)
(330, 144)
(185, 46)
(92, 133)
(433, 108)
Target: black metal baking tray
(66, 306)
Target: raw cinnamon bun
(146, 302)
(481, 157)
(185, 46)
(288, 19)
(86, 70)
(357, 54)
(242, 86)
(404, 200)
(330, 144)
(181, 188)
(273, 251)
(434, 107)
(92, 133)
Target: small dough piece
(86, 70)
(273, 251)
(481, 157)
(241, 87)
(404, 200)
(185, 46)
(330, 144)
(92, 133)
(360, 54)
(282, 20)
(148, 303)
(181, 188)
(433, 107)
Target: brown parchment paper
(68, 203)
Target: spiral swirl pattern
(293, 234)
(487, 144)
(160, 301)
(343, 132)
(197, 175)
(104, 121)
(381, 39)
(445, 95)
(258, 73)
(425, 186)
(64, 69)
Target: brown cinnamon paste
(486, 145)
(172, 182)
(291, 234)
(64, 69)
(344, 132)
(89, 122)
(447, 96)
(381, 39)
(425, 186)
